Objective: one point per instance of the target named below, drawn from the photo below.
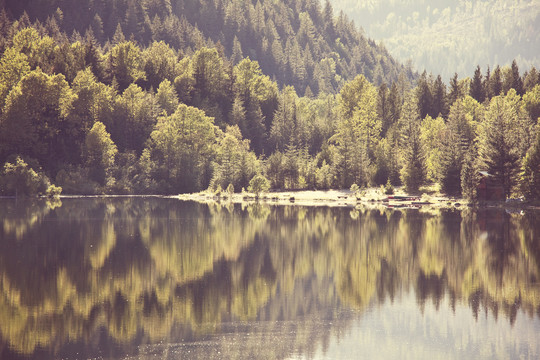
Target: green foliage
(413, 172)
(166, 97)
(169, 111)
(450, 162)
(179, 153)
(99, 153)
(284, 126)
(13, 66)
(160, 63)
(469, 174)
(389, 188)
(234, 163)
(433, 37)
(258, 184)
(323, 176)
(500, 142)
(531, 101)
(431, 134)
(530, 171)
(53, 191)
(135, 114)
(125, 64)
(36, 121)
(19, 179)
(357, 133)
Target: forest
(172, 100)
(434, 35)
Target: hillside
(445, 36)
(296, 42)
(160, 106)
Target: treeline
(296, 42)
(129, 119)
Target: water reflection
(129, 276)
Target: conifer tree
(455, 92)
(495, 84)
(499, 146)
(477, 86)
(413, 172)
(439, 106)
(424, 96)
(530, 173)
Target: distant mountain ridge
(445, 36)
(296, 42)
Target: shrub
(258, 184)
(389, 188)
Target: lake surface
(145, 278)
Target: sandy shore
(368, 198)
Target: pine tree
(512, 79)
(455, 92)
(495, 84)
(477, 86)
(469, 174)
(530, 174)
(439, 106)
(383, 108)
(451, 163)
(394, 104)
(499, 147)
(413, 172)
(424, 96)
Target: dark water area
(145, 278)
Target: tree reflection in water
(117, 276)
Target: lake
(145, 278)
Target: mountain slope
(296, 42)
(445, 36)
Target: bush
(389, 188)
(258, 184)
(230, 189)
(19, 179)
(53, 191)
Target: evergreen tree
(476, 90)
(383, 108)
(439, 106)
(469, 174)
(512, 80)
(530, 173)
(451, 162)
(394, 104)
(499, 146)
(531, 79)
(424, 96)
(413, 172)
(531, 102)
(495, 84)
(455, 92)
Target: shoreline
(370, 198)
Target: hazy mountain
(445, 36)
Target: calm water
(145, 278)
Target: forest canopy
(126, 109)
